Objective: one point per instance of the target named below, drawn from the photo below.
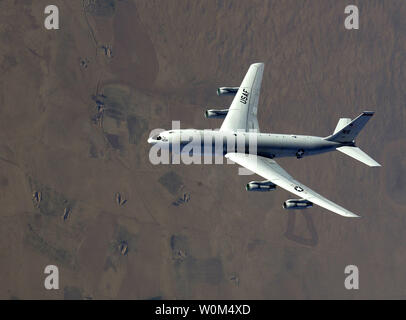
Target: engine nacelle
(297, 204)
(260, 186)
(227, 91)
(216, 114)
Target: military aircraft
(241, 124)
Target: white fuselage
(222, 142)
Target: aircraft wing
(270, 170)
(242, 113)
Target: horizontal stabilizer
(359, 155)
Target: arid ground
(77, 189)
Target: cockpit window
(159, 138)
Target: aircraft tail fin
(341, 124)
(359, 155)
(347, 130)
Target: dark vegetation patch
(52, 202)
(72, 293)
(39, 243)
(100, 8)
(171, 181)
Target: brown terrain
(77, 189)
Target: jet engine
(216, 114)
(260, 186)
(227, 91)
(297, 204)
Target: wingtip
(368, 113)
(374, 164)
(350, 214)
(258, 64)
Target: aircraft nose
(151, 140)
